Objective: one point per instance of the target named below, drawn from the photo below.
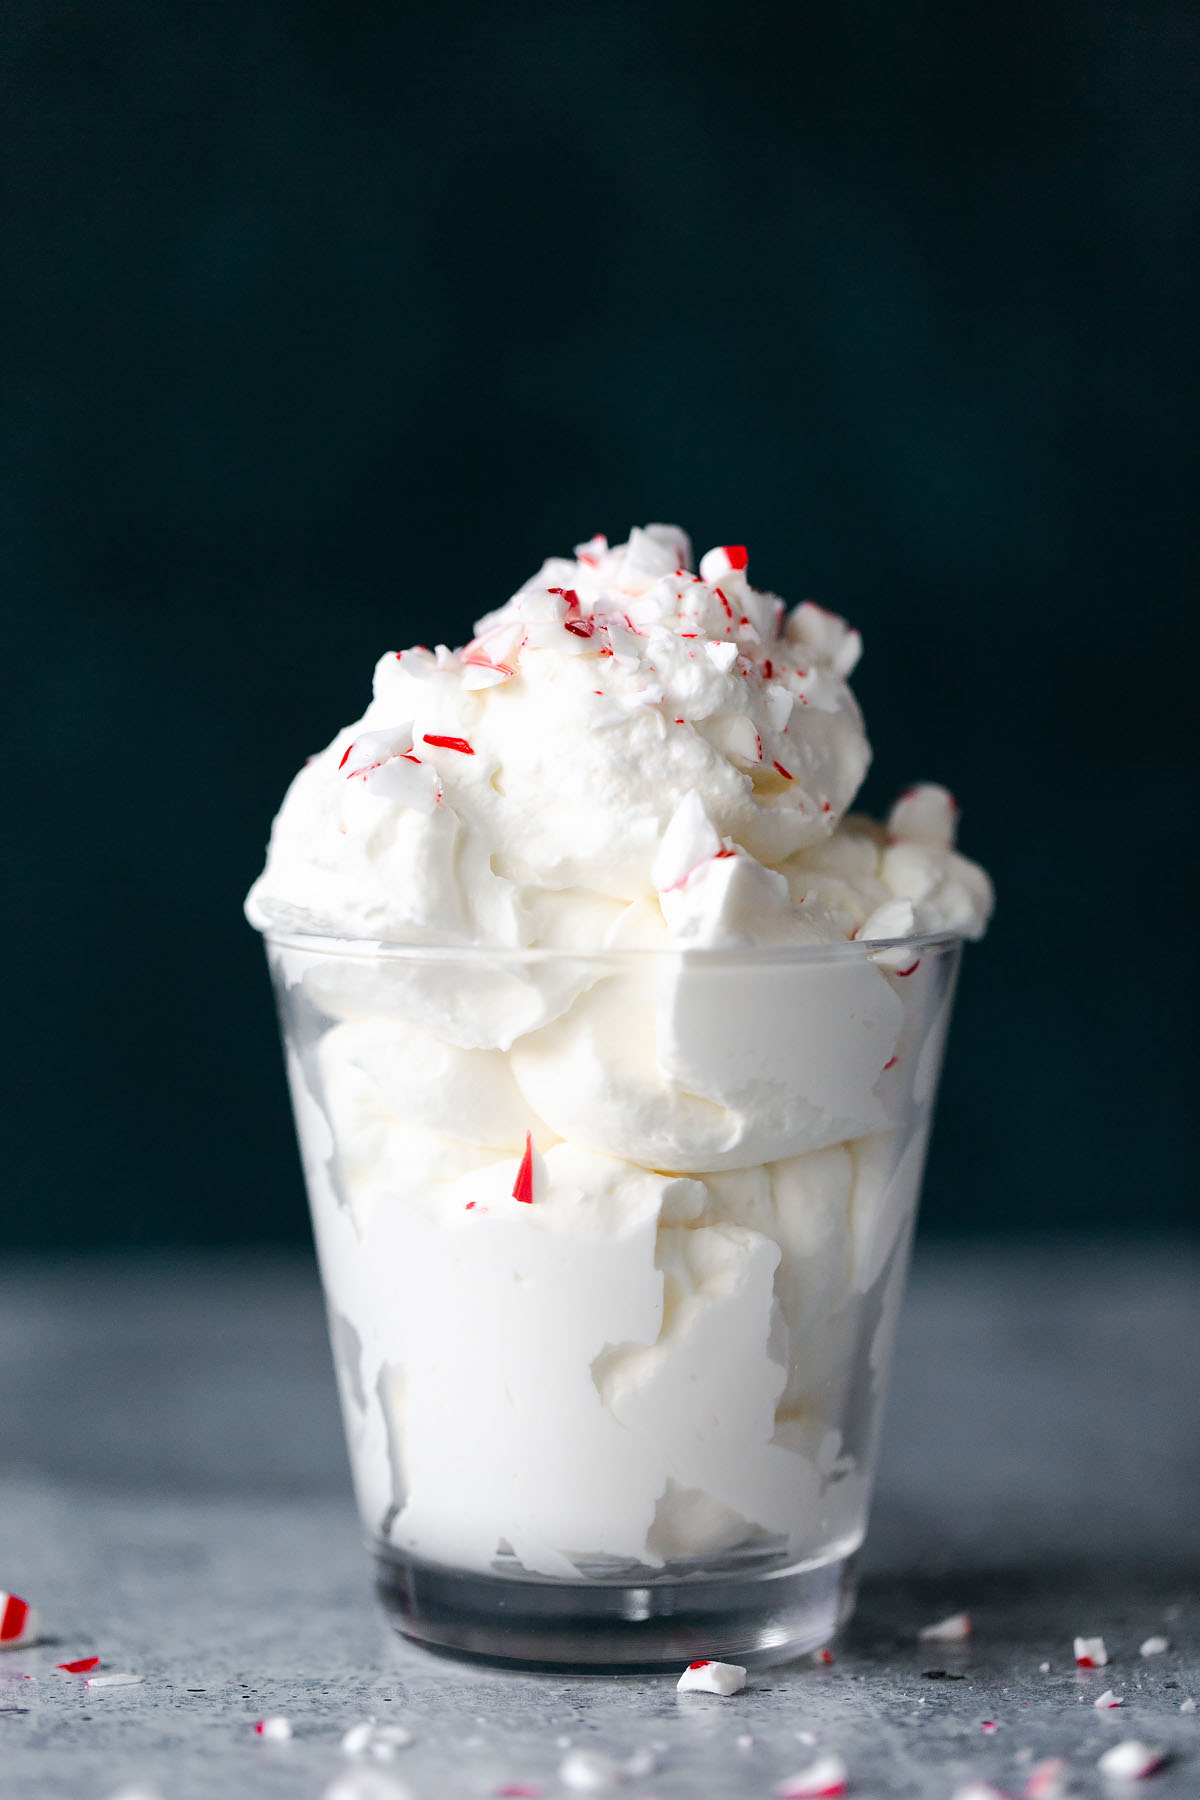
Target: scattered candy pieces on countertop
(275, 1731)
(1130, 1761)
(707, 1677)
(588, 1771)
(951, 1630)
(824, 1778)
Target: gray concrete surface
(174, 1497)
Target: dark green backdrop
(325, 320)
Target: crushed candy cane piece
(979, 1790)
(115, 1678)
(519, 1790)
(1154, 1646)
(707, 1677)
(956, 1626)
(820, 1781)
(1090, 1653)
(989, 1727)
(523, 1186)
(276, 1731)
(447, 743)
(1044, 1668)
(19, 1624)
(1107, 1699)
(80, 1667)
(1130, 1761)
(588, 1771)
(689, 839)
(641, 1762)
(1047, 1779)
(825, 1657)
(1188, 1705)
(722, 654)
(745, 1741)
(927, 815)
(370, 1738)
(722, 560)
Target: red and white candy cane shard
(1090, 1653)
(1131, 1761)
(520, 1790)
(18, 1622)
(707, 1677)
(1047, 1779)
(80, 1667)
(957, 1626)
(523, 1185)
(824, 1657)
(979, 1790)
(722, 560)
(820, 1781)
(275, 1731)
(1105, 1701)
(114, 1678)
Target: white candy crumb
(1047, 1779)
(746, 1741)
(1090, 1653)
(978, 1790)
(642, 1762)
(705, 1677)
(1044, 1668)
(135, 1793)
(275, 1731)
(366, 1784)
(807, 1737)
(1187, 1706)
(563, 1742)
(1107, 1699)
(827, 1776)
(588, 1771)
(114, 1678)
(370, 1738)
(947, 1631)
(1154, 1646)
(1130, 1761)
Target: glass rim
(849, 950)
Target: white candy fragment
(1188, 1706)
(1154, 1646)
(706, 1677)
(366, 1784)
(826, 1777)
(1090, 1653)
(951, 1630)
(720, 561)
(1130, 1761)
(113, 1678)
(370, 1738)
(745, 1741)
(722, 654)
(642, 1762)
(690, 839)
(1107, 1699)
(275, 1731)
(19, 1623)
(588, 1771)
(1047, 1779)
(926, 814)
(979, 1790)
(1044, 1667)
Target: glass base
(601, 1628)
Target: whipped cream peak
(619, 722)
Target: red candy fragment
(702, 1664)
(737, 554)
(448, 743)
(786, 773)
(523, 1185)
(81, 1667)
(583, 628)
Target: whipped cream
(613, 1242)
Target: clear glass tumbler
(613, 1247)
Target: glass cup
(613, 1247)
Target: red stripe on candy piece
(349, 748)
(911, 969)
(580, 627)
(737, 555)
(786, 773)
(448, 743)
(523, 1185)
(702, 1664)
(13, 1619)
(889, 1064)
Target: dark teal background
(323, 322)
